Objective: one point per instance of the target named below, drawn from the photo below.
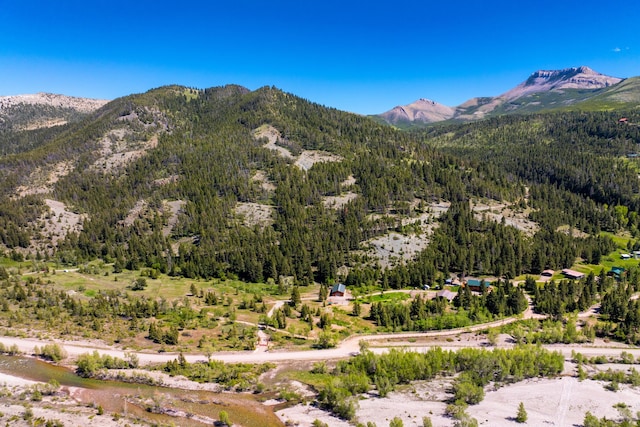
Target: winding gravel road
(344, 349)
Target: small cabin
(476, 285)
(447, 294)
(338, 290)
(617, 273)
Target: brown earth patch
(255, 214)
(41, 181)
(60, 221)
(338, 202)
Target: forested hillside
(582, 168)
(27, 121)
(228, 182)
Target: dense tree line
(218, 123)
(463, 243)
(622, 312)
(422, 314)
(17, 218)
(568, 296)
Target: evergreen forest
(263, 186)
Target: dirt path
(344, 349)
(563, 405)
(276, 306)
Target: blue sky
(360, 56)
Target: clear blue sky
(360, 56)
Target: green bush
(467, 391)
(53, 352)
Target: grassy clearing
(229, 323)
(613, 259)
(164, 286)
(621, 240)
(316, 380)
(607, 263)
(387, 296)
(203, 324)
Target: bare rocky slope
(83, 105)
(423, 110)
(41, 110)
(544, 89)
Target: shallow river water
(179, 407)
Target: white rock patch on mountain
(82, 105)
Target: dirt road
(344, 349)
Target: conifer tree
(522, 416)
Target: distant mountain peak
(33, 111)
(564, 73)
(427, 101)
(84, 105)
(557, 83)
(423, 110)
(581, 77)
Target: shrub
(467, 391)
(223, 416)
(52, 352)
(140, 284)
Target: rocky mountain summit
(424, 110)
(543, 89)
(82, 105)
(43, 110)
(569, 78)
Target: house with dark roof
(547, 273)
(338, 290)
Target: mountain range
(570, 88)
(260, 184)
(576, 87)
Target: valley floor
(560, 402)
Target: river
(180, 407)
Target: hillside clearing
(265, 183)
(174, 208)
(60, 221)
(41, 181)
(304, 161)
(496, 211)
(395, 247)
(255, 214)
(338, 202)
(117, 153)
